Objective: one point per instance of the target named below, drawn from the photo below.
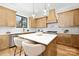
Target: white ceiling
(26, 9)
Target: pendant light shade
(33, 15)
(45, 11)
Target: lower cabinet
(67, 45)
(4, 42)
(75, 41)
(64, 39)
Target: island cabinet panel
(4, 42)
(51, 49)
(7, 17)
(68, 18)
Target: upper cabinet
(41, 22)
(3, 15)
(68, 18)
(7, 17)
(32, 22)
(38, 22)
(51, 16)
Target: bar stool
(31, 49)
(18, 43)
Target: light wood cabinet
(75, 41)
(68, 40)
(7, 17)
(11, 18)
(68, 18)
(51, 16)
(51, 49)
(76, 17)
(41, 22)
(32, 22)
(3, 21)
(4, 42)
(67, 44)
(64, 39)
(38, 22)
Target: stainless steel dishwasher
(11, 39)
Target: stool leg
(20, 50)
(15, 51)
(25, 54)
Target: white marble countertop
(44, 38)
(4, 33)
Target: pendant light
(45, 11)
(33, 15)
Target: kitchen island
(45, 39)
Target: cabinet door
(7, 17)
(3, 21)
(11, 18)
(38, 21)
(51, 16)
(4, 41)
(76, 17)
(64, 39)
(66, 19)
(43, 22)
(32, 22)
(75, 41)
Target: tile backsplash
(54, 27)
(3, 30)
(50, 27)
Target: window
(21, 22)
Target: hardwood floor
(61, 51)
(10, 52)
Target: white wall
(3, 30)
(61, 7)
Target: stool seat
(33, 49)
(18, 42)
